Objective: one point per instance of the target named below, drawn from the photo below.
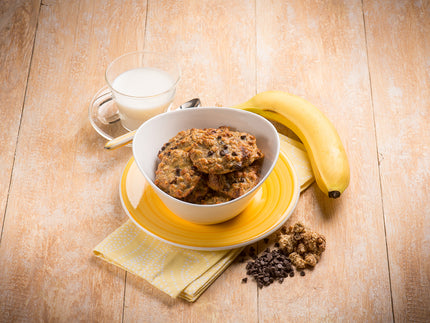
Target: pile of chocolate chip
(270, 266)
(296, 247)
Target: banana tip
(334, 194)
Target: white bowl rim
(207, 206)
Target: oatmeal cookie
(236, 183)
(199, 192)
(176, 175)
(213, 197)
(220, 151)
(183, 141)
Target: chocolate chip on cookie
(199, 192)
(176, 174)
(237, 183)
(183, 141)
(220, 151)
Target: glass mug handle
(107, 111)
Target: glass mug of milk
(143, 84)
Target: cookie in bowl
(222, 150)
(221, 169)
(198, 202)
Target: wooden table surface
(365, 64)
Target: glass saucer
(103, 104)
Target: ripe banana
(321, 140)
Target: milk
(142, 93)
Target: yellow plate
(267, 212)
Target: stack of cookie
(209, 166)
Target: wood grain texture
(317, 50)
(18, 21)
(365, 64)
(399, 62)
(64, 192)
(214, 44)
(218, 66)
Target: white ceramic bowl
(152, 135)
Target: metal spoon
(128, 137)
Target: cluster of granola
(303, 245)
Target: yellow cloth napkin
(176, 271)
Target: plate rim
(288, 211)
